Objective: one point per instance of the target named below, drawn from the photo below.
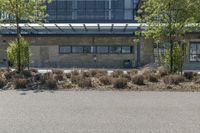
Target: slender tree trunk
(170, 39)
(18, 44)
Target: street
(99, 112)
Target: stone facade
(45, 51)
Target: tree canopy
(169, 20)
(27, 10)
(162, 17)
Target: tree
(12, 53)
(17, 11)
(169, 20)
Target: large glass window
(102, 49)
(62, 10)
(87, 49)
(77, 49)
(68, 49)
(65, 49)
(127, 49)
(115, 49)
(195, 51)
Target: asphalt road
(99, 112)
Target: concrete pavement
(99, 112)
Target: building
(90, 34)
(81, 33)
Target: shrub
(75, 79)
(105, 80)
(153, 78)
(59, 77)
(120, 83)
(138, 79)
(188, 75)
(98, 73)
(146, 72)
(68, 75)
(13, 56)
(8, 75)
(51, 84)
(197, 80)
(134, 71)
(85, 83)
(93, 73)
(86, 74)
(117, 74)
(44, 77)
(34, 70)
(37, 77)
(162, 71)
(20, 83)
(75, 73)
(27, 73)
(177, 55)
(2, 82)
(126, 76)
(173, 79)
(57, 72)
(68, 85)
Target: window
(87, 49)
(127, 49)
(77, 49)
(195, 51)
(65, 49)
(115, 49)
(109, 49)
(102, 49)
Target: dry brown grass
(98, 73)
(2, 82)
(59, 77)
(86, 74)
(58, 71)
(105, 80)
(117, 74)
(68, 75)
(51, 83)
(138, 79)
(153, 78)
(173, 79)
(85, 83)
(27, 73)
(75, 79)
(75, 73)
(162, 71)
(34, 70)
(127, 76)
(120, 83)
(20, 83)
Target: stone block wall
(45, 51)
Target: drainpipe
(139, 48)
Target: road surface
(99, 112)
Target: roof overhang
(70, 28)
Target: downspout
(139, 42)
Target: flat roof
(70, 28)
